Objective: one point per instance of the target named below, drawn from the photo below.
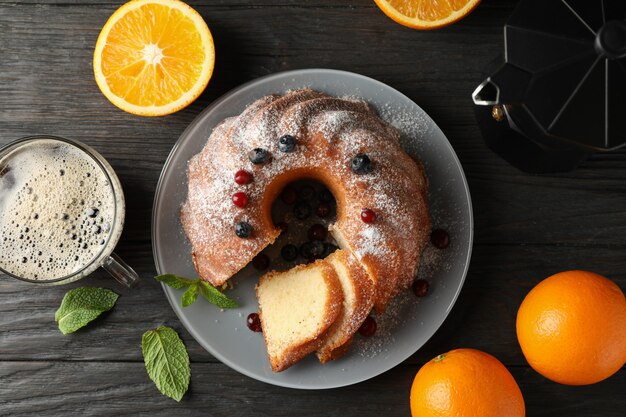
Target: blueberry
(302, 211)
(287, 143)
(325, 196)
(289, 252)
(317, 249)
(306, 192)
(361, 164)
(329, 248)
(312, 250)
(243, 229)
(306, 249)
(258, 156)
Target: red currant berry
(440, 238)
(243, 177)
(240, 199)
(420, 287)
(289, 195)
(317, 232)
(368, 328)
(368, 216)
(323, 210)
(261, 262)
(254, 322)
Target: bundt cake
(297, 308)
(381, 192)
(358, 299)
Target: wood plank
(490, 5)
(118, 388)
(483, 318)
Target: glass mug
(61, 212)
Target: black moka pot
(561, 93)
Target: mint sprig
(174, 281)
(167, 361)
(195, 287)
(82, 305)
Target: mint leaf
(82, 305)
(214, 296)
(167, 361)
(209, 292)
(191, 294)
(174, 281)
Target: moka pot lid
(565, 71)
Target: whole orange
(572, 328)
(465, 383)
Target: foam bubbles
(56, 210)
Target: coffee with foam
(57, 210)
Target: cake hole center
(304, 210)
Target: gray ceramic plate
(409, 323)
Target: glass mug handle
(120, 270)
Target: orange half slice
(153, 57)
(426, 14)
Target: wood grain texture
(527, 227)
(123, 389)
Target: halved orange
(153, 57)
(426, 14)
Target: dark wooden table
(527, 227)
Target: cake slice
(297, 307)
(358, 292)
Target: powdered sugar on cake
(371, 242)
